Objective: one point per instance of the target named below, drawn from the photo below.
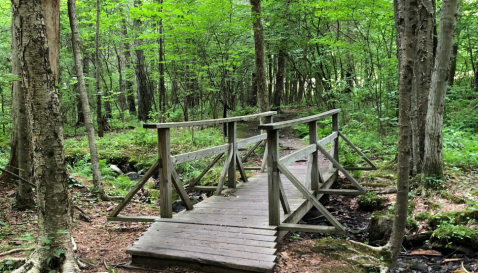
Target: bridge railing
(314, 183)
(165, 163)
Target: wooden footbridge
(237, 230)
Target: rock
(420, 267)
(380, 227)
(133, 176)
(115, 169)
(178, 206)
(453, 248)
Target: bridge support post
(314, 176)
(231, 137)
(274, 179)
(334, 151)
(165, 166)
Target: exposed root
(373, 248)
(37, 260)
(16, 250)
(13, 259)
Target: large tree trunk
(162, 85)
(37, 28)
(422, 76)
(99, 116)
(406, 21)
(24, 199)
(90, 130)
(144, 92)
(260, 58)
(128, 82)
(433, 161)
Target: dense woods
(79, 78)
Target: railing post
(165, 166)
(274, 180)
(335, 143)
(314, 179)
(231, 137)
(268, 119)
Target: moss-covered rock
(460, 235)
(462, 217)
(453, 198)
(422, 216)
(371, 201)
(381, 224)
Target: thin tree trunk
(260, 58)
(37, 27)
(99, 116)
(406, 21)
(128, 82)
(162, 85)
(279, 80)
(433, 161)
(90, 130)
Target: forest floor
(102, 244)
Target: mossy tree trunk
(37, 34)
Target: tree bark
(128, 82)
(260, 59)
(433, 161)
(422, 75)
(144, 92)
(37, 34)
(90, 130)
(406, 22)
(279, 87)
(99, 116)
(162, 85)
(24, 198)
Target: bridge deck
(224, 233)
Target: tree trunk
(260, 58)
(24, 198)
(162, 85)
(451, 78)
(90, 130)
(144, 92)
(406, 21)
(279, 80)
(37, 28)
(422, 75)
(128, 82)
(433, 161)
(99, 116)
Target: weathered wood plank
(231, 171)
(311, 228)
(283, 198)
(246, 156)
(202, 188)
(213, 228)
(243, 264)
(204, 172)
(222, 179)
(242, 171)
(289, 123)
(186, 157)
(374, 167)
(138, 219)
(326, 140)
(314, 172)
(340, 191)
(252, 168)
(208, 121)
(178, 185)
(165, 166)
(293, 157)
(251, 140)
(135, 189)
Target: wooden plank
(138, 219)
(231, 171)
(310, 197)
(237, 263)
(178, 185)
(209, 237)
(252, 168)
(264, 159)
(208, 121)
(332, 153)
(224, 222)
(222, 179)
(213, 228)
(202, 188)
(335, 128)
(251, 140)
(273, 177)
(374, 167)
(341, 192)
(290, 123)
(186, 157)
(314, 172)
(204, 172)
(326, 140)
(338, 166)
(222, 252)
(165, 166)
(242, 171)
(293, 157)
(311, 228)
(135, 189)
(283, 198)
(246, 156)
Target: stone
(421, 267)
(115, 169)
(380, 227)
(133, 176)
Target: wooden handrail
(289, 123)
(207, 121)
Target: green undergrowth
(463, 217)
(459, 234)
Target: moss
(474, 192)
(370, 201)
(434, 206)
(422, 216)
(411, 223)
(453, 198)
(455, 217)
(154, 194)
(149, 185)
(411, 207)
(461, 235)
